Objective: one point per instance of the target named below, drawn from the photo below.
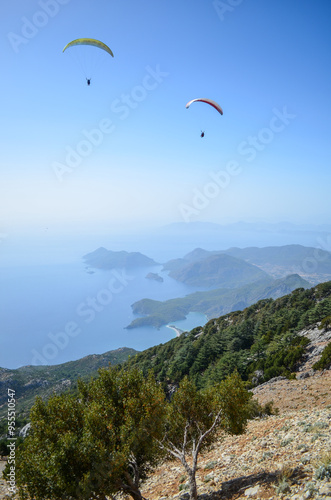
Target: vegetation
(106, 439)
(261, 342)
(325, 361)
(96, 444)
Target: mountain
(218, 271)
(313, 264)
(212, 303)
(107, 259)
(31, 381)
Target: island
(108, 259)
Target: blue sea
(53, 313)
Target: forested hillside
(261, 342)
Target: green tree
(195, 417)
(96, 444)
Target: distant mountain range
(228, 280)
(236, 278)
(210, 235)
(277, 261)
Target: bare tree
(194, 419)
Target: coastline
(176, 329)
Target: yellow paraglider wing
(89, 41)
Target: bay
(54, 313)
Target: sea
(54, 313)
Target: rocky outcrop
(319, 339)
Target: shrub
(325, 361)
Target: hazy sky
(125, 150)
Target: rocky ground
(284, 456)
(277, 457)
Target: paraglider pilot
(202, 133)
(88, 80)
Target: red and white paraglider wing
(207, 101)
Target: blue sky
(125, 152)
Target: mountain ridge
(212, 303)
(29, 381)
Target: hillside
(313, 264)
(280, 456)
(261, 342)
(274, 344)
(31, 381)
(218, 271)
(212, 303)
(277, 453)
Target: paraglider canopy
(87, 57)
(89, 41)
(207, 101)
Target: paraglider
(81, 56)
(89, 41)
(207, 101)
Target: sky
(125, 152)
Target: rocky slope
(284, 456)
(279, 456)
